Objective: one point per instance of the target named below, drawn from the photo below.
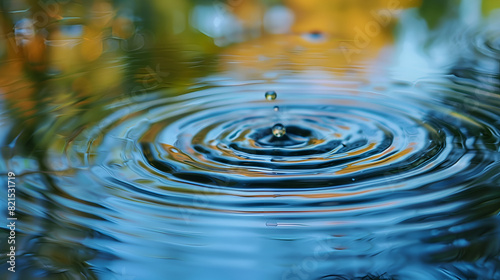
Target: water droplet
(278, 130)
(353, 179)
(271, 95)
(276, 108)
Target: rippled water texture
(276, 163)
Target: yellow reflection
(324, 35)
(359, 165)
(92, 45)
(102, 13)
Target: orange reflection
(356, 166)
(92, 45)
(324, 35)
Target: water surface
(163, 159)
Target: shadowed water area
(248, 139)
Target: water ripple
(339, 143)
(391, 169)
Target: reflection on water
(252, 139)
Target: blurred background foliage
(490, 6)
(435, 12)
(63, 61)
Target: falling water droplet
(276, 108)
(271, 95)
(278, 130)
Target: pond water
(251, 139)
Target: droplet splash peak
(278, 130)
